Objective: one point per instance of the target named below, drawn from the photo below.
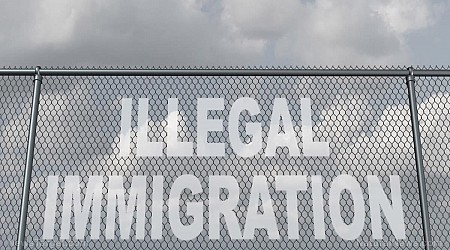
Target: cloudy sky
(224, 33)
(241, 33)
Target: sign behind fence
(259, 212)
(224, 163)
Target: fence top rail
(224, 72)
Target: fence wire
(15, 97)
(433, 96)
(366, 120)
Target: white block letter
(354, 229)
(144, 147)
(136, 202)
(286, 139)
(175, 147)
(252, 128)
(254, 220)
(204, 125)
(50, 207)
(194, 209)
(311, 148)
(378, 201)
(125, 128)
(157, 206)
(291, 184)
(318, 212)
(72, 195)
(218, 206)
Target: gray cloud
(169, 33)
(214, 33)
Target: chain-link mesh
(365, 119)
(15, 98)
(434, 115)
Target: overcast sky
(224, 33)
(169, 33)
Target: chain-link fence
(364, 115)
(15, 96)
(433, 97)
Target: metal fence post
(29, 160)
(410, 81)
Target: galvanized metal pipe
(29, 161)
(410, 80)
(17, 72)
(226, 72)
(432, 73)
(220, 72)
